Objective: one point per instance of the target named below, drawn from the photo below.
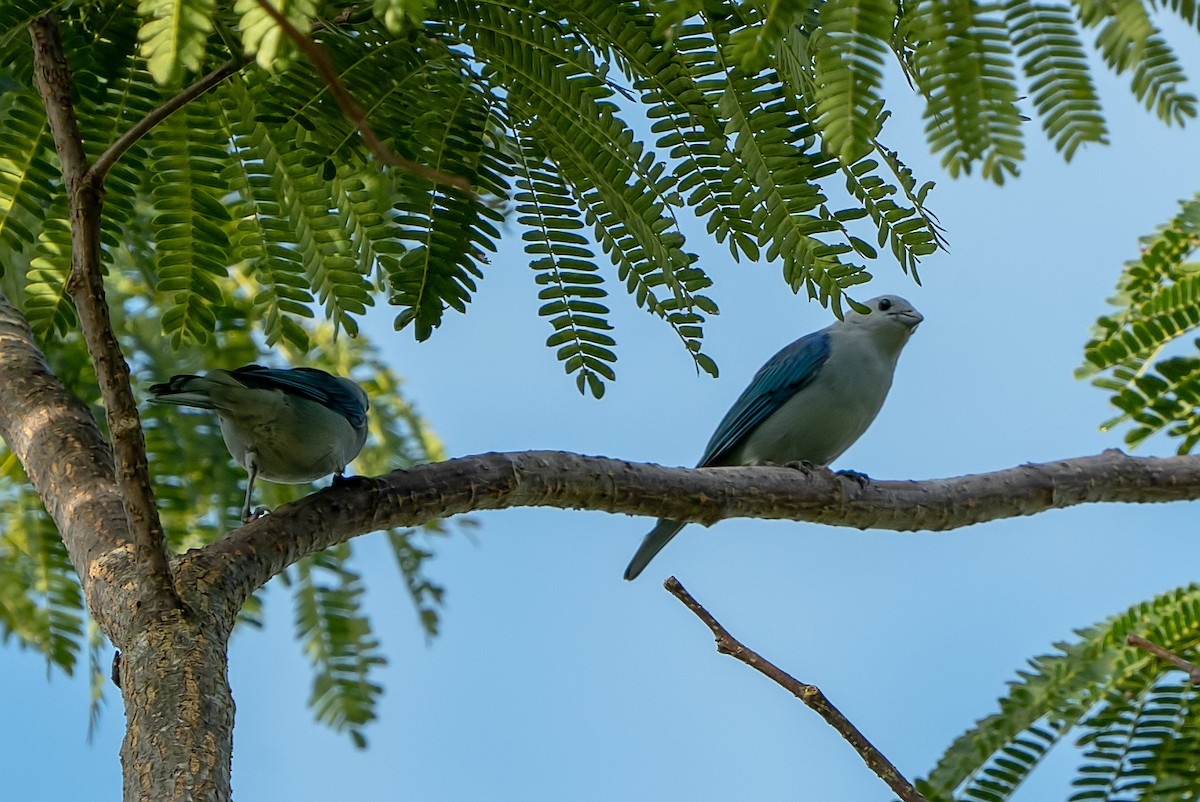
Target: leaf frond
(1158, 304)
(1055, 63)
(1118, 699)
(191, 244)
(572, 288)
(173, 36)
(964, 64)
(336, 636)
(29, 175)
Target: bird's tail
(652, 544)
(184, 390)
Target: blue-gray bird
(287, 425)
(809, 403)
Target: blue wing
(315, 385)
(785, 374)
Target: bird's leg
(252, 469)
(339, 477)
(801, 465)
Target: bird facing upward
(809, 403)
(287, 425)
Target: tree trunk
(179, 712)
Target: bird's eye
(885, 304)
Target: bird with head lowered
(287, 425)
(809, 403)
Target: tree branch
(811, 695)
(86, 287)
(248, 557)
(110, 156)
(354, 112)
(1193, 671)
(66, 458)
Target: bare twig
(1192, 670)
(86, 287)
(354, 112)
(811, 695)
(117, 149)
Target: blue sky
(555, 679)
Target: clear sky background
(555, 679)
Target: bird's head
(888, 317)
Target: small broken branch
(1139, 642)
(811, 695)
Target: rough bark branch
(811, 695)
(248, 557)
(86, 287)
(66, 458)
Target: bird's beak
(909, 317)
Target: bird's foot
(340, 479)
(254, 514)
(861, 478)
(802, 465)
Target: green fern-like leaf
(622, 190)
(751, 46)
(448, 234)
(572, 288)
(192, 247)
(779, 152)
(28, 169)
(397, 14)
(1187, 10)
(907, 229)
(710, 179)
(410, 559)
(964, 65)
(40, 600)
(1157, 79)
(1158, 304)
(848, 48)
(337, 639)
(173, 35)
(1055, 63)
(690, 131)
(261, 239)
(1129, 745)
(263, 36)
(116, 91)
(1123, 703)
(47, 305)
(321, 241)
(363, 197)
(1129, 40)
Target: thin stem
(1192, 670)
(86, 287)
(353, 111)
(811, 695)
(117, 149)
